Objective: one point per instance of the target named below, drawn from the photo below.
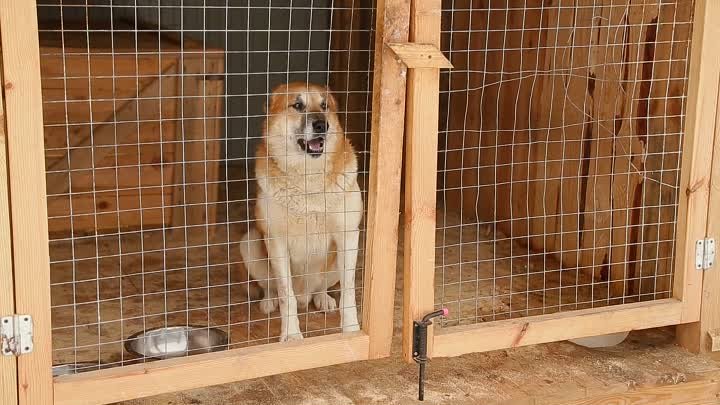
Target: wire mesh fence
(559, 164)
(156, 114)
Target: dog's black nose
(320, 126)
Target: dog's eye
(323, 105)
(298, 106)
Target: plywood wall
(561, 127)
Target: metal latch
(16, 335)
(704, 253)
(420, 346)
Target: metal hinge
(16, 335)
(704, 253)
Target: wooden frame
(8, 365)
(505, 334)
(697, 156)
(420, 179)
(18, 23)
(704, 336)
(388, 120)
(142, 380)
(28, 206)
(682, 308)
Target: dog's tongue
(315, 145)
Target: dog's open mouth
(314, 147)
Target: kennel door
(572, 171)
(133, 130)
(25, 229)
(8, 364)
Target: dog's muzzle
(313, 147)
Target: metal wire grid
(153, 110)
(561, 131)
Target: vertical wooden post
(393, 19)
(8, 365)
(696, 158)
(702, 336)
(421, 175)
(26, 168)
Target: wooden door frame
(423, 104)
(18, 25)
(682, 308)
(28, 207)
(704, 336)
(8, 365)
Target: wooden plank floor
(648, 368)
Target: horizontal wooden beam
(504, 334)
(161, 377)
(420, 55)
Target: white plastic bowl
(608, 340)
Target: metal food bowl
(176, 341)
(74, 368)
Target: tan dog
(308, 210)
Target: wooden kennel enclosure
(557, 157)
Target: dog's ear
(277, 99)
(330, 99)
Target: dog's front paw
(291, 337)
(351, 328)
(324, 302)
(268, 305)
